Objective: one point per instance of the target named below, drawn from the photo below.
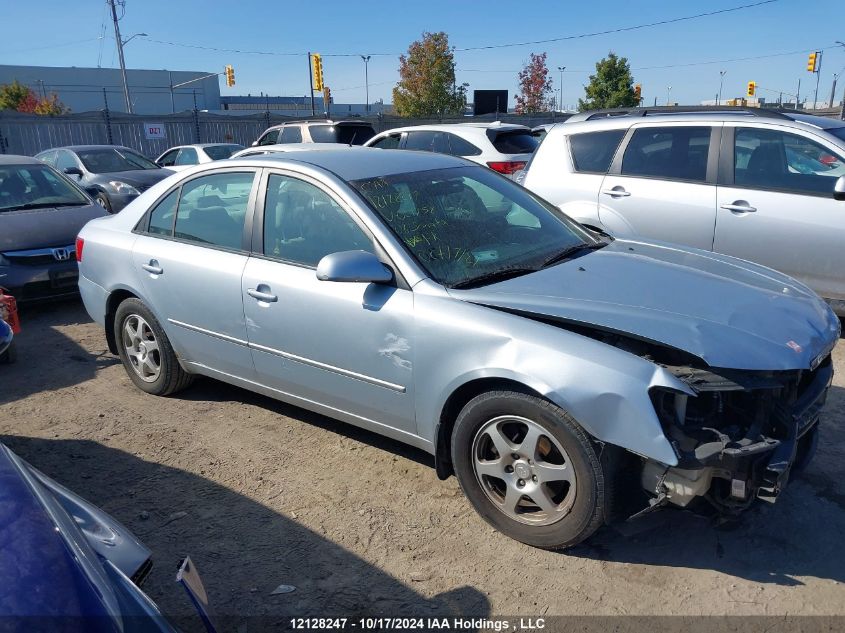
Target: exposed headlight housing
(122, 188)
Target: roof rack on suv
(641, 112)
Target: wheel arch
(456, 401)
(115, 298)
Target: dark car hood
(38, 573)
(40, 228)
(135, 177)
(729, 313)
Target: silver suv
(322, 131)
(766, 186)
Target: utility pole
(798, 94)
(818, 76)
(366, 59)
(119, 43)
(833, 91)
(721, 81)
(561, 69)
(668, 95)
(311, 83)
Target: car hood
(135, 177)
(728, 312)
(40, 228)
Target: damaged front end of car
(738, 435)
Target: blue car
(68, 566)
(6, 336)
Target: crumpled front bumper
(732, 473)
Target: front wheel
(529, 469)
(146, 352)
(103, 200)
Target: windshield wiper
(567, 253)
(496, 275)
(43, 205)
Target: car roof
(294, 147)
(15, 159)
(319, 122)
(79, 148)
(475, 128)
(354, 163)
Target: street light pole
(721, 80)
(366, 59)
(668, 95)
(119, 43)
(561, 69)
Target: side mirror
(73, 171)
(359, 266)
(839, 189)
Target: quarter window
(212, 209)
(592, 152)
(461, 147)
(302, 224)
(670, 153)
(771, 159)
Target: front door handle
(616, 192)
(739, 206)
(262, 293)
(153, 268)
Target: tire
(10, 355)
(104, 201)
(565, 494)
(153, 365)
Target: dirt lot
(260, 494)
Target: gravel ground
(260, 494)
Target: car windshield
(345, 134)
(219, 152)
(467, 224)
(111, 159)
(36, 186)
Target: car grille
(42, 256)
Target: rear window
(345, 134)
(838, 132)
(219, 152)
(518, 142)
(593, 151)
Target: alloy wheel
(141, 346)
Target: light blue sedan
(431, 300)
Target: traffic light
(327, 95)
(752, 88)
(638, 92)
(317, 70)
(230, 75)
(813, 62)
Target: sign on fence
(154, 131)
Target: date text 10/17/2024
(482, 625)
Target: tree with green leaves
(611, 87)
(17, 96)
(535, 87)
(426, 85)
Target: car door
(190, 254)
(346, 347)
(776, 205)
(663, 185)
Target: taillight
(79, 244)
(506, 167)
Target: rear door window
(212, 209)
(168, 158)
(592, 152)
(517, 142)
(668, 153)
(269, 138)
(290, 134)
(187, 156)
(421, 141)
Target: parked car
(758, 184)
(41, 212)
(326, 131)
(9, 327)
(112, 174)
(69, 566)
(7, 350)
(502, 147)
(288, 147)
(182, 156)
(539, 132)
(535, 361)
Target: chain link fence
(29, 134)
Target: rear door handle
(740, 206)
(153, 268)
(261, 294)
(616, 192)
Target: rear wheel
(145, 351)
(529, 469)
